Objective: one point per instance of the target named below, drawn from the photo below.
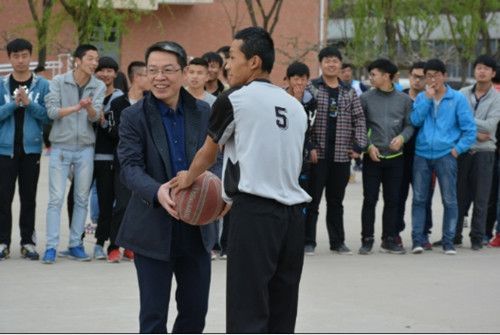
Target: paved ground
(377, 293)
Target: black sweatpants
(26, 167)
(474, 175)
(333, 177)
(265, 258)
(105, 180)
(389, 173)
(122, 197)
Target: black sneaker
(476, 246)
(28, 251)
(389, 246)
(4, 252)
(457, 243)
(366, 246)
(342, 250)
(438, 243)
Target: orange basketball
(201, 203)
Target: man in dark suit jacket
(159, 136)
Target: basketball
(201, 203)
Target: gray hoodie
(75, 130)
(387, 116)
(486, 115)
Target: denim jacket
(34, 118)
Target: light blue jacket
(35, 115)
(443, 127)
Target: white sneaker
(417, 250)
(450, 252)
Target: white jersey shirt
(262, 129)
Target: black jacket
(144, 158)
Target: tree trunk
(463, 70)
(390, 29)
(485, 34)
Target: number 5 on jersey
(281, 119)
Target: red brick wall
(206, 27)
(199, 28)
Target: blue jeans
(59, 167)
(446, 172)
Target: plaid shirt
(350, 131)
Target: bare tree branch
(31, 3)
(276, 16)
(251, 12)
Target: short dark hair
(82, 49)
(107, 63)
(347, 65)
(39, 68)
(257, 42)
(417, 65)
(384, 65)
(225, 50)
(486, 61)
(435, 65)
(170, 47)
(297, 69)
(19, 44)
(199, 61)
(132, 69)
(329, 51)
(212, 57)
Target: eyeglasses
(155, 71)
(433, 76)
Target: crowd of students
(414, 137)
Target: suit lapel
(158, 133)
(192, 124)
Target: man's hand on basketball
(165, 199)
(181, 181)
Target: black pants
(46, 132)
(266, 254)
(492, 203)
(191, 267)
(474, 176)
(333, 177)
(389, 173)
(26, 167)
(122, 197)
(104, 175)
(225, 232)
(405, 190)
